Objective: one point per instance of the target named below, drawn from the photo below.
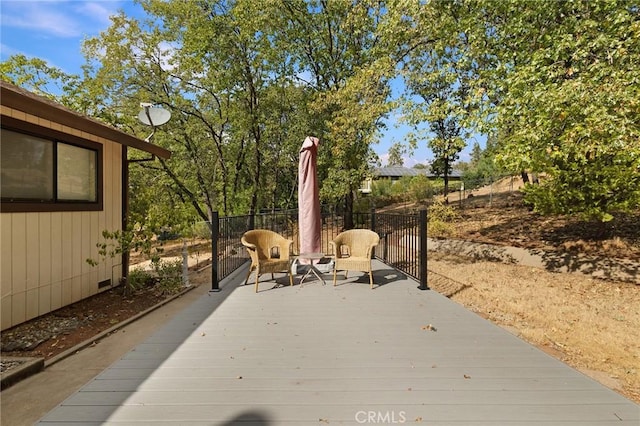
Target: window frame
(55, 137)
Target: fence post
(373, 219)
(422, 255)
(373, 228)
(215, 227)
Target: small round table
(311, 257)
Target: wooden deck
(317, 354)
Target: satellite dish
(153, 116)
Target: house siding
(43, 261)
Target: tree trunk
(446, 184)
(446, 179)
(348, 210)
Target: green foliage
(571, 103)
(595, 192)
(138, 279)
(381, 187)
(202, 230)
(381, 192)
(437, 186)
(400, 188)
(396, 151)
(439, 78)
(441, 220)
(168, 276)
(420, 189)
(35, 75)
(483, 168)
(349, 71)
(557, 81)
(118, 242)
(407, 189)
(165, 277)
(246, 81)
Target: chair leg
(335, 272)
(257, 276)
(290, 277)
(248, 275)
(371, 280)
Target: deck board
(318, 354)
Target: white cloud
(98, 11)
(45, 17)
(409, 161)
(65, 19)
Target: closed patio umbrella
(309, 220)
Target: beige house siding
(43, 260)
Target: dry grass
(590, 324)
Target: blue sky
(53, 30)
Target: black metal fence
(403, 238)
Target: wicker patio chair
(352, 250)
(269, 252)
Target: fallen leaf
(429, 327)
(467, 376)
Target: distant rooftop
(397, 172)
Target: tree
(36, 76)
(476, 154)
(237, 117)
(439, 78)
(573, 106)
(245, 82)
(483, 168)
(558, 81)
(568, 108)
(395, 155)
(338, 53)
(446, 147)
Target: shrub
(381, 192)
(138, 278)
(400, 188)
(202, 230)
(420, 188)
(168, 276)
(440, 220)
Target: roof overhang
(27, 102)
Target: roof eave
(29, 103)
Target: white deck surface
(317, 354)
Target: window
(26, 167)
(76, 175)
(47, 174)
